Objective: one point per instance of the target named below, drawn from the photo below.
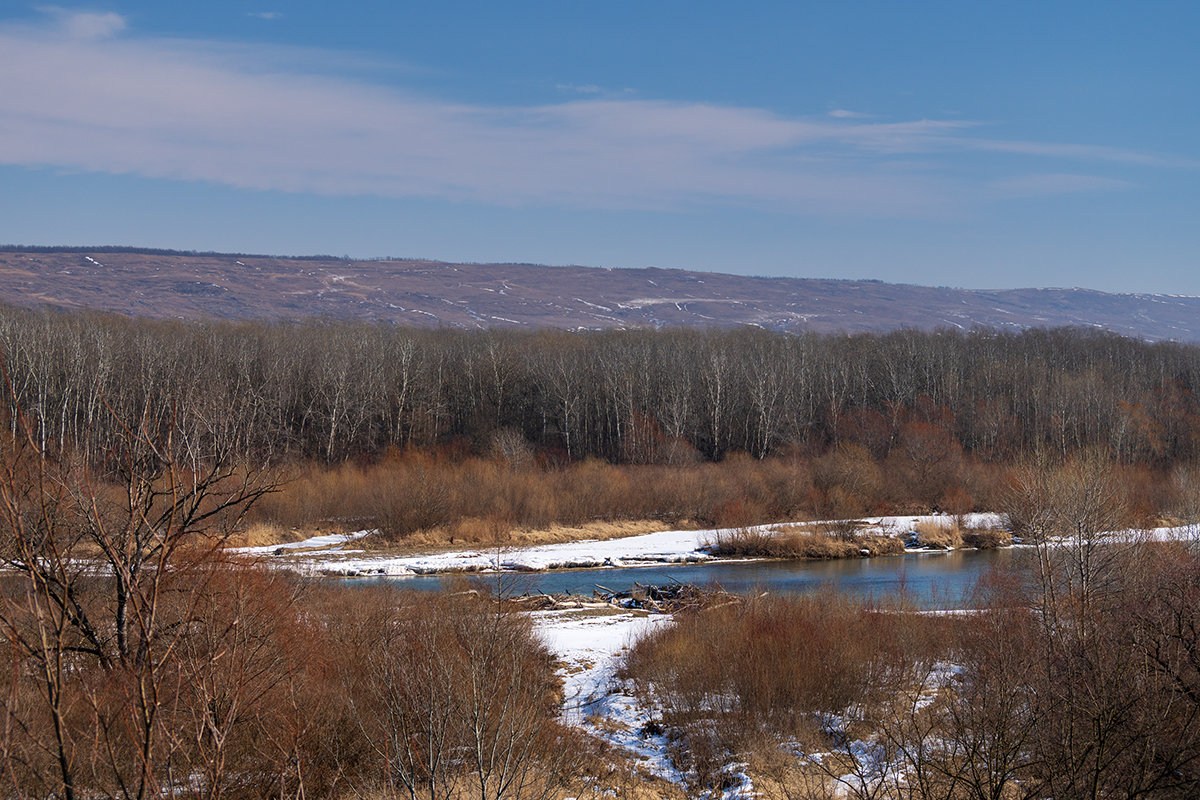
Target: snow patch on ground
(663, 547)
(326, 541)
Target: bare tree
(98, 549)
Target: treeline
(479, 499)
(331, 391)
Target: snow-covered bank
(648, 549)
(664, 547)
(325, 542)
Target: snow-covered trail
(590, 644)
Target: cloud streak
(845, 113)
(1048, 184)
(77, 95)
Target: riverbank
(338, 556)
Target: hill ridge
(160, 283)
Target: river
(929, 579)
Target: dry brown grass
(264, 533)
(779, 775)
(474, 532)
(470, 531)
(409, 492)
(600, 530)
(802, 543)
(953, 535)
(438, 497)
(477, 531)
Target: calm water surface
(933, 580)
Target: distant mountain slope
(430, 293)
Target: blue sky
(984, 145)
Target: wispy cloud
(845, 113)
(1055, 183)
(587, 88)
(1080, 152)
(268, 15)
(75, 94)
(83, 24)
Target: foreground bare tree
(108, 559)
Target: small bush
(937, 535)
(986, 538)
(845, 528)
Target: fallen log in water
(670, 598)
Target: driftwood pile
(667, 599)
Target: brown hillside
(430, 293)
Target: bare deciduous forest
(332, 391)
